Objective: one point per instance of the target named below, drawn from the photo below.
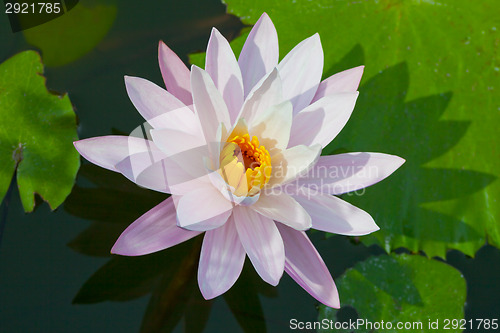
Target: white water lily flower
(238, 146)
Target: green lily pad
(37, 130)
(407, 289)
(427, 95)
(74, 34)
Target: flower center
(245, 164)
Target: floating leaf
(72, 35)
(401, 289)
(37, 130)
(428, 95)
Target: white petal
(150, 100)
(346, 81)
(135, 165)
(283, 208)
(182, 119)
(172, 141)
(222, 66)
(292, 163)
(154, 231)
(221, 260)
(301, 71)
(175, 74)
(209, 104)
(262, 242)
(331, 214)
(260, 52)
(107, 151)
(320, 122)
(264, 95)
(273, 126)
(342, 173)
(304, 264)
(183, 165)
(203, 209)
(163, 175)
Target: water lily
(237, 145)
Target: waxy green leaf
(74, 34)
(401, 289)
(37, 130)
(428, 95)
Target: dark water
(47, 258)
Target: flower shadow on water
(386, 121)
(169, 275)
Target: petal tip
(79, 145)
(127, 79)
(316, 38)
(309, 225)
(194, 67)
(123, 248)
(273, 283)
(397, 162)
(333, 303)
(115, 249)
(374, 227)
(207, 294)
(214, 31)
(274, 280)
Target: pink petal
(320, 122)
(203, 209)
(175, 74)
(222, 66)
(301, 71)
(221, 260)
(107, 151)
(331, 214)
(346, 81)
(304, 264)
(342, 173)
(267, 93)
(150, 100)
(260, 52)
(209, 104)
(262, 242)
(283, 208)
(154, 231)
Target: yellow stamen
(243, 155)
